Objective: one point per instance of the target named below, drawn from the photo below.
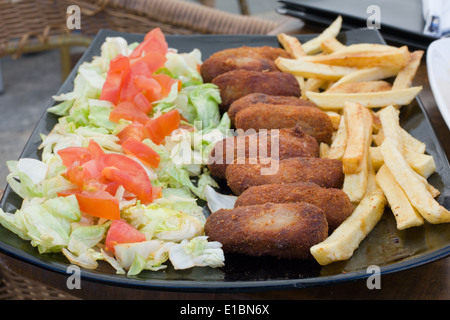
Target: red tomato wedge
(154, 41)
(129, 88)
(129, 111)
(166, 83)
(96, 203)
(119, 68)
(95, 150)
(122, 232)
(131, 183)
(133, 130)
(74, 156)
(149, 87)
(76, 175)
(149, 62)
(141, 151)
(162, 126)
(142, 103)
(157, 192)
(93, 169)
(130, 174)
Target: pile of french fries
(384, 165)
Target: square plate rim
(208, 285)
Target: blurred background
(29, 79)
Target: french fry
(358, 87)
(305, 69)
(346, 238)
(416, 191)
(292, 45)
(331, 45)
(329, 84)
(313, 46)
(314, 84)
(414, 153)
(368, 74)
(301, 83)
(375, 121)
(422, 164)
(335, 119)
(356, 184)
(411, 144)
(389, 118)
(349, 83)
(431, 189)
(397, 57)
(337, 147)
(353, 157)
(335, 101)
(376, 157)
(406, 75)
(378, 138)
(364, 48)
(419, 162)
(323, 150)
(405, 214)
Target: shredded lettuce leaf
(46, 225)
(173, 225)
(197, 252)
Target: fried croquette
(239, 83)
(334, 202)
(327, 173)
(313, 121)
(278, 144)
(246, 58)
(286, 230)
(255, 98)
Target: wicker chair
(38, 25)
(31, 26)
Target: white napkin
(436, 14)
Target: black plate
(390, 249)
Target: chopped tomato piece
(75, 174)
(157, 34)
(141, 151)
(111, 186)
(162, 126)
(133, 130)
(130, 174)
(129, 88)
(140, 68)
(149, 62)
(154, 41)
(92, 170)
(149, 87)
(74, 156)
(96, 203)
(142, 103)
(119, 68)
(166, 83)
(95, 149)
(157, 192)
(122, 232)
(129, 111)
(134, 184)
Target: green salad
(122, 171)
